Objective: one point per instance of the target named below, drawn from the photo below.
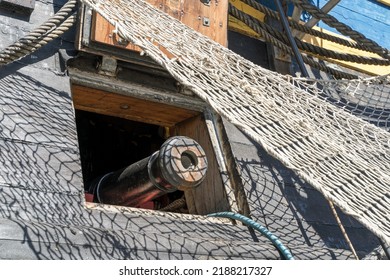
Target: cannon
(179, 164)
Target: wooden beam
(296, 16)
(117, 105)
(313, 21)
(326, 9)
(151, 91)
(219, 141)
(210, 196)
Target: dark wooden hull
(43, 213)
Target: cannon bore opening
(189, 160)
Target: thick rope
(342, 156)
(342, 28)
(316, 49)
(322, 51)
(175, 205)
(261, 28)
(45, 33)
(295, 25)
(25, 49)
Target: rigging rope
(301, 44)
(322, 51)
(295, 25)
(344, 157)
(261, 29)
(45, 33)
(341, 27)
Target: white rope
(344, 157)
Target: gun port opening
(109, 144)
(117, 148)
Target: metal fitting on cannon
(180, 164)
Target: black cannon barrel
(180, 164)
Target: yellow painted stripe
(247, 9)
(238, 26)
(365, 68)
(386, 2)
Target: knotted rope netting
(341, 155)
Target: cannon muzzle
(180, 164)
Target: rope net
(367, 98)
(338, 153)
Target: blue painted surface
(369, 17)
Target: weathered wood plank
(171, 7)
(103, 32)
(370, 18)
(48, 241)
(107, 103)
(218, 139)
(210, 20)
(37, 113)
(35, 123)
(210, 196)
(40, 167)
(27, 250)
(70, 209)
(148, 90)
(64, 240)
